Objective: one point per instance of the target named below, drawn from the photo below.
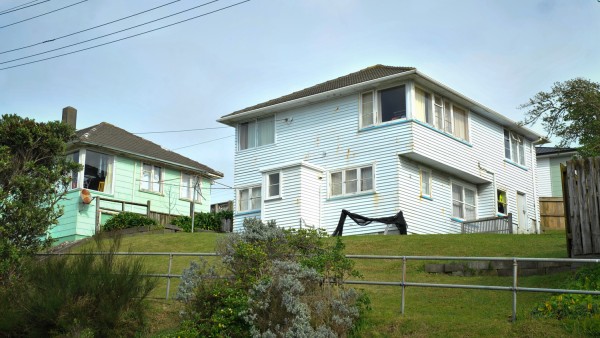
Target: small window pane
(457, 210)
(460, 123)
(425, 183)
(244, 197)
(420, 105)
(336, 183)
(506, 144)
(243, 136)
(366, 179)
(273, 180)
(185, 187)
(256, 198)
(447, 117)
(469, 196)
(367, 109)
(521, 151)
(251, 134)
(502, 202)
(439, 112)
(514, 141)
(156, 180)
(470, 212)
(146, 177)
(351, 181)
(265, 131)
(392, 103)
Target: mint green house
(120, 168)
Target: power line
(193, 145)
(178, 131)
(14, 9)
(37, 16)
(127, 37)
(109, 34)
(87, 29)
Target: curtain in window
(447, 117)
(366, 178)
(367, 109)
(514, 147)
(256, 198)
(109, 174)
(156, 179)
(146, 177)
(460, 123)
(265, 131)
(336, 183)
(420, 105)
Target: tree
(571, 111)
(34, 176)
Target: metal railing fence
(403, 283)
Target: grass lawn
(428, 311)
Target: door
(523, 224)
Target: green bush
(203, 220)
(84, 295)
(280, 282)
(126, 220)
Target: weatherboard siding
(327, 135)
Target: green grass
(428, 311)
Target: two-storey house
(377, 141)
(118, 165)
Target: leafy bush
(126, 220)
(203, 220)
(85, 295)
(280, 282)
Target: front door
(523, 225)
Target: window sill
(341, 197)
(266, 146)
(516, 164)
(274, 198)
(152, 192)
(459, 220)
(384, 124)
(247, 212)
(427, 198)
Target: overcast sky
(499, 53)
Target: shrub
(203, 220)
(84, 295)
(126, 220)
(292, 280)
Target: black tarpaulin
(397, 220)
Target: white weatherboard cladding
(310, 195)
(327, 135)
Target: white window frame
(430, 179)
(377, 118)
(267, 190)
(251, 190)
(151, 183)
(463, 202)
(359, 181)
(517, 142)
(191, 181)
(446, 122)
(80, 183)
(256, 133)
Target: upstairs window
(502, 206)
(463, 202)
(351, 181)
(190, 188)
(98, 171)
(382, 106)
(256, 133)
(514, 149)
(151, 178)
(441, 113)
(274, 185)
(249, 199)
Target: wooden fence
(581, 192)
(552, 213)
(496, 225)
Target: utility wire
(193, 145)
(21, 5)
(177, 131)
(109, 34)
(127, 37)
(88, 29)
(14, 9)
(37, 16)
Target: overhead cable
(125, 38)
(14, 9)
(37, 16)
(193, 145)
(88, 29)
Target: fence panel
(496, 225)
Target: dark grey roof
(363, 75)
(109, 136)
(553, 150)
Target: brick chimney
(69, 116)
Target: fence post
(148, 209)
(514, 305)
(97, 225)
(169, 275)
(403, 280)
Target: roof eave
(211, 175)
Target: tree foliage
(34, 176)
(570, 111)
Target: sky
(499, 53)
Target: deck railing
(495, 225)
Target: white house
(377, 141)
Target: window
(191, 187)
(98, 171)
(74, 157)
(502, 207)
(273, 185)
(351, 181)
(249, 199)
(390, 103)
(425, 175)
(256, 133)
(514, 149)
(463, 202)
(151, 178)
(441, 113)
